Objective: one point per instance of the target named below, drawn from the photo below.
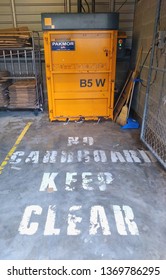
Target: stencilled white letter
(105, 178)
(88, 140)
(99, 156)
(73, 220)
(128, 219)
(15, 158)
(144, 156)
(50, 157)
(73, 141)
(116, 156)
(127, 156)
(69, 180)
(66, 157)
(50, 222)
(134, 156)
(86, 180)
(120, 225)
(33, 157)
(26, 227)
(98, 220)
(48, 182)
(83, 156)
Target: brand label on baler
(63, 46)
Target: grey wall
(142, 36)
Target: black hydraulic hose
(93, 6)
(79, 6)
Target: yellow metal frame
(80, 83)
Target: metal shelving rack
(24, 63)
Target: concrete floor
(78, 191)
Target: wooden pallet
(23, 94)
(15, 37)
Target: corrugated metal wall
(28, 12)
(126, 15)
(6, 20)
(126, 18)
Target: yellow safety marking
(48, 21)
(20, 137)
